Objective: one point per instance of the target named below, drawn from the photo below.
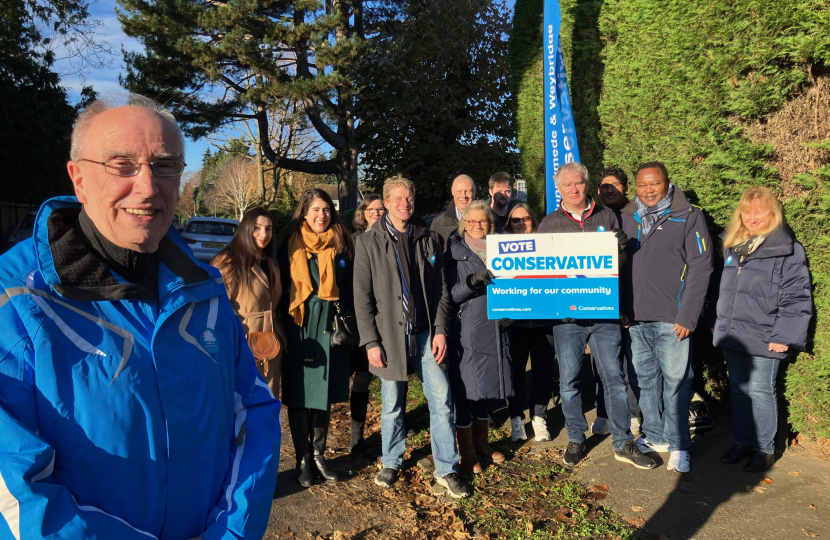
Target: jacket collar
(419, 228)
(58, 246)
(451, 214)
(778, 243)
(592, 209)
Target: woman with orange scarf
(316, 264)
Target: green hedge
(676, 81)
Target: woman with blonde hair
(252, 279)
(316, 262)
(480, 368)
(763, 313)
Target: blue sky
(106, 80)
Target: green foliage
(34, 109)
(678, 79)
(435, 99)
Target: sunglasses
(517, 220)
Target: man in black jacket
(578, 213)
(666, 278)
(402, 310)
(463, 193)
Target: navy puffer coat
(480, 348)
(765, 298)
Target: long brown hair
(737, 233)
(342, 239)
(508, 228)
(242, 253)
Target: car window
(27, 222)
(211, 227)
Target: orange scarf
(300, 247)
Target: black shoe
(306, 477)
(323, 467)
(629, 453)
(357, 445)
(759, 462)
(735, 455)
(386, 477)
(456, 487)
(574, 453)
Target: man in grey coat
(402, 306)
(463, 193)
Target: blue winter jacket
(766, 298)
(122, 416)
(667, 272)
(480, 348)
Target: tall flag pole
(560, 132)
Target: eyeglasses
(378, 211)
(130, 167)
(479, 224)
(517, 220)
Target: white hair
(113, 101)
(572, 167)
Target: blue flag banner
(560, 131)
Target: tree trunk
(347, 177)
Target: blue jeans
(569, 341)
(628, 374)
(664, 374)
(441, 418)
(754, 401)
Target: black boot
(759, 462)
(319, 434)
(357, 446)
(306, 477)
(298, 424)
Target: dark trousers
(535, 343)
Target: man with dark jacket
(402, 315)
(501, 190)
(578, 213)
(463, 193)
(666, 278)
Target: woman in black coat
(532, 339)
(481, 368)
(764, 310)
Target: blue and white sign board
(553, 276)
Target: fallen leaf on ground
(812, 507)
(766, 481)
(637, 521)
(600, 487)
(597, 495)
(809, 534)
(562, 518)
(759, 489)
(793, 473)
(637, 508)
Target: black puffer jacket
(480, 347)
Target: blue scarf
(649, 216)
(401, 241)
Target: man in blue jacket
(665, 282)
(130, 404)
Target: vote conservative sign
(553, 276)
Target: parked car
(207, 235)
(22, 230)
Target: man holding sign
(578, 213)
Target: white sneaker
(635, 425)
(646, 446)
(679, 461)
(600, 426)
(540, 429)
(517, 428)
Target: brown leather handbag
(264, 345)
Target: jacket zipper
(734, 292)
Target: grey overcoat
(377, 293)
